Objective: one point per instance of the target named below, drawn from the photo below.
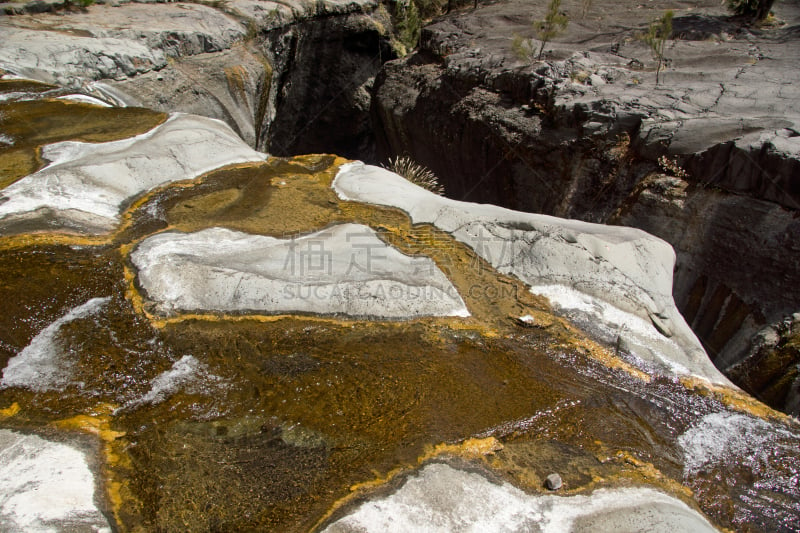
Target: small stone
(553, 482)
(526, 321)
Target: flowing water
(257, 422)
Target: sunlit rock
(440, 498)
(623, 276)
(86, 185)
(112, 43)
(46, 486)
(345, 269)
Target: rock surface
(46, 486)
(627, 271)
(343, 270)
(706, 160)
(86, 186)
(440, 498)
(288, 77)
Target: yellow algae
(98, 424)
(9, 411)
(26, 86)
(735, 399)
(236, 77)
(472, 448)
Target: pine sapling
(553, 24)
(656, 37)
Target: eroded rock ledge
(708, 160)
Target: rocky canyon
(221, 312)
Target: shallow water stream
(248, 421)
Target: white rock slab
(271, 14)
(625, 268)
(45, 486)
(40, 366)
(440, 498)
(345, 269)
(87, 185)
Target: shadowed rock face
(707, 160)
(322, 85)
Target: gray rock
(36, 470)
(553, 481)
(605, 278)
(136, 39)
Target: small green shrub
(659, 31)
(415, 173)
(553, 24)
(407, 23)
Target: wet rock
(86, 185)
(36, 471)
(442, 498)
(601, 128)
(42, 365)
(553, 481)
(606, 278)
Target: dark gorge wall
(704, 165)
(323, 70)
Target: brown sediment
(34, 123)
(24, 86)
